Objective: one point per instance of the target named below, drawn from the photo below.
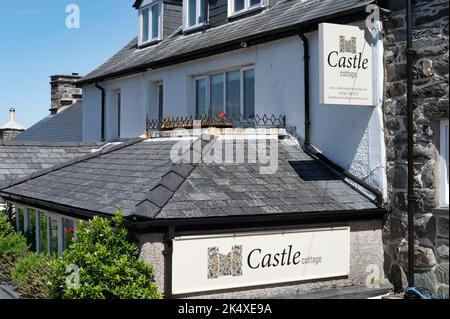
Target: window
(231, 92)
(150, 22)
(195, 13)
(444, 175)
(236, 7)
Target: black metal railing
(170, 123)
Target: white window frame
(443, 164)
(247, 7)
(150, 22)
(197, 24)
(208, 88)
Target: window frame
(186, 26)
(247, 8)
(443, 164)
(150, 39)
(208, 76)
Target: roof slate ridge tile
(207, 141)
(49, 144)
(105, 150)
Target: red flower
(69, 230)
(222, 115)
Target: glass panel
(254, 2)
(200, 100)
(145, 25)
(238, 5)
(69, 232)
(44, 234)
(216, 90)
(155, 21)
(233, 94)
(249, 93)
(160, 101)
(31, 233)
(192, 16)
(21, 220)
(53, 236)
(203, 11)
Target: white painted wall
(352, 136)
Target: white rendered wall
(352, 136)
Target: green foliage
(106, 265)
(35, 281)
(24, 264)
(6, 228)
(12, 248)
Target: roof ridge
(160, 194)
(102, 151)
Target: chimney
(12, 115)
(64, 92)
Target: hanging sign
(345, 65)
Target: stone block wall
(430, 40)
(9, 134)
(64, 91)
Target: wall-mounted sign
(345, 65)
(207, 263)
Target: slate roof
(282, 15)
(19, 159)
(65, 126)
(141, 178)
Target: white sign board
(345, 65)
(207, 263)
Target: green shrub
(35, 281)
(24, 264)
(6, 228)
(108, 265)
(12, 248)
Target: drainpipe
(412, 199)
(103, 111)
(306, 59)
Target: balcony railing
(171, 123)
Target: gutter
(343, 17)
(102, 128)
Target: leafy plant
(6, 228)
(12, 248)
(103, 264)
(32, 275)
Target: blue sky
(35, 43)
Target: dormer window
(238, 7)
(195, 13)
(150, 22)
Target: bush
(108, 263)
(12, 248)
(34, 273)
(6, 228)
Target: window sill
(245, 12)
(441, 211)
(189, 30)
(149, 43)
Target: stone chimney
(64, 91)
(11, 129)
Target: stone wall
(430, 33)
(64, 92)
(8, 134)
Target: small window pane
(53, 236)
(233, 94)
(238, 5)
(44, 234)
(145, 25)
(160, 101)
(155, 21)
(192, 16)
(31, 233)
(201, 107)
(203, 11)
(249, 93)
(216, 90)
(20, 215)
(254, 2)
(69, 232)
